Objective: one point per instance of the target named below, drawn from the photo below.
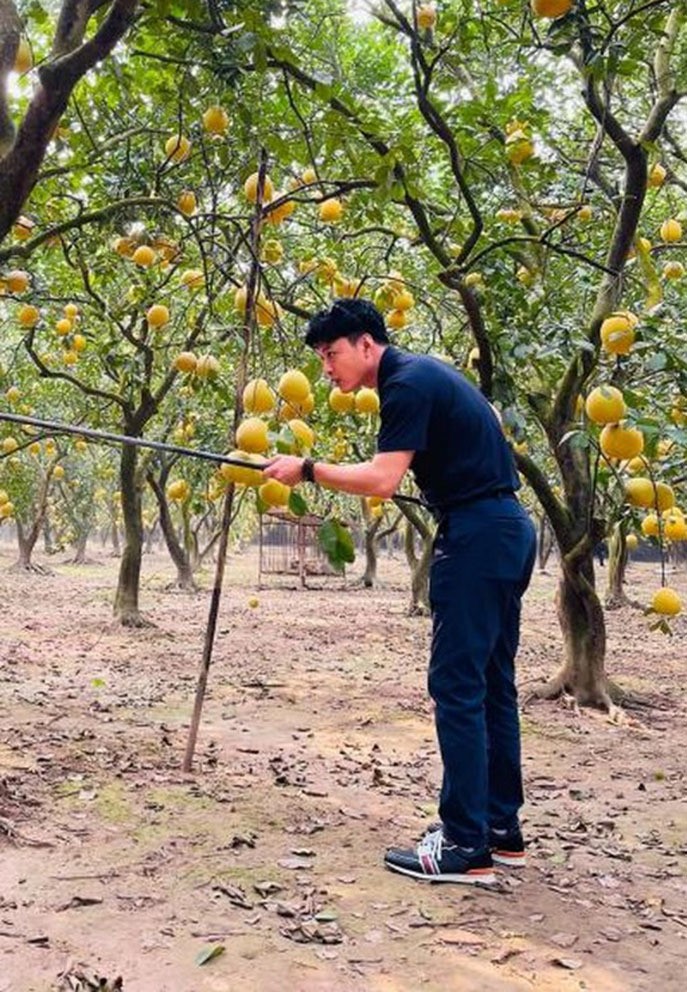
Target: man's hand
(286, 468)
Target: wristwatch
(308, 470)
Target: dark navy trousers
(483, 558)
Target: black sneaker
(435, 859)
(507, 848)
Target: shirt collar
(387, 365)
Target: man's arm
(378, 477)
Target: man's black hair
(346, 318)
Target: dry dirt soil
(316, 750)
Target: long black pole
(53, 427)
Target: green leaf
(337, 543)
(297, 504)
(209, 952)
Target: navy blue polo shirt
(428, 407)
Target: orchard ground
(316, 751)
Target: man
(438, 424)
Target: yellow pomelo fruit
(4, 497)
(63, 326)
(71, 310)
(404, 300)
(426, 16)
(207, 367)
(216, 120)
(396, 319)
(28, 315)
(475, 280)
(341, 402)
(70, 357)
(186, 362)
(13, 394)
(274, 493)
(631, 542)
(79, 343)
(124, 247)
(258, 397)
(673, 270)
(618, 441)
(157, 315)
(671, 230)
(192, 278)
(177, 148)
(242, 476)
(58, 472)
(664, 497)
(23, 228)
(241, 299)
(308, 176)
(251, 435)
(279, 213)
(9, 444)
(187, 203)
(294, 387)
(272, 251)
(519, 147)
(550, 8)
(331, 211)
(367, 401)
(17, 280)
(266, 311)
(649, 526)
(308, 405)
(675, 527)
(304, 434)
(178, 490)
(618, 334)
(667, 602)
(639, 492)
(636, 465)
(605, 405)
(657, 175)
(144, 256)
(250, 188)
(23, 59)
(6, 510)
(253, 602)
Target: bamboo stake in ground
(251, 294)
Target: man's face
(345, 363)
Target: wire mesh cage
(289, 546)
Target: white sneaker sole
(479, 876)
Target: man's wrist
(308, 470)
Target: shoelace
(431, 844)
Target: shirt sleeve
(405, 415)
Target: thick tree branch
(19, 170)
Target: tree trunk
(126, 607)
(617, 563)
(26, 542)
(544, 542)
(418, 564)
(371, 529)
(581, 618)
(114, 534)
(80, 557)
(177, 553)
